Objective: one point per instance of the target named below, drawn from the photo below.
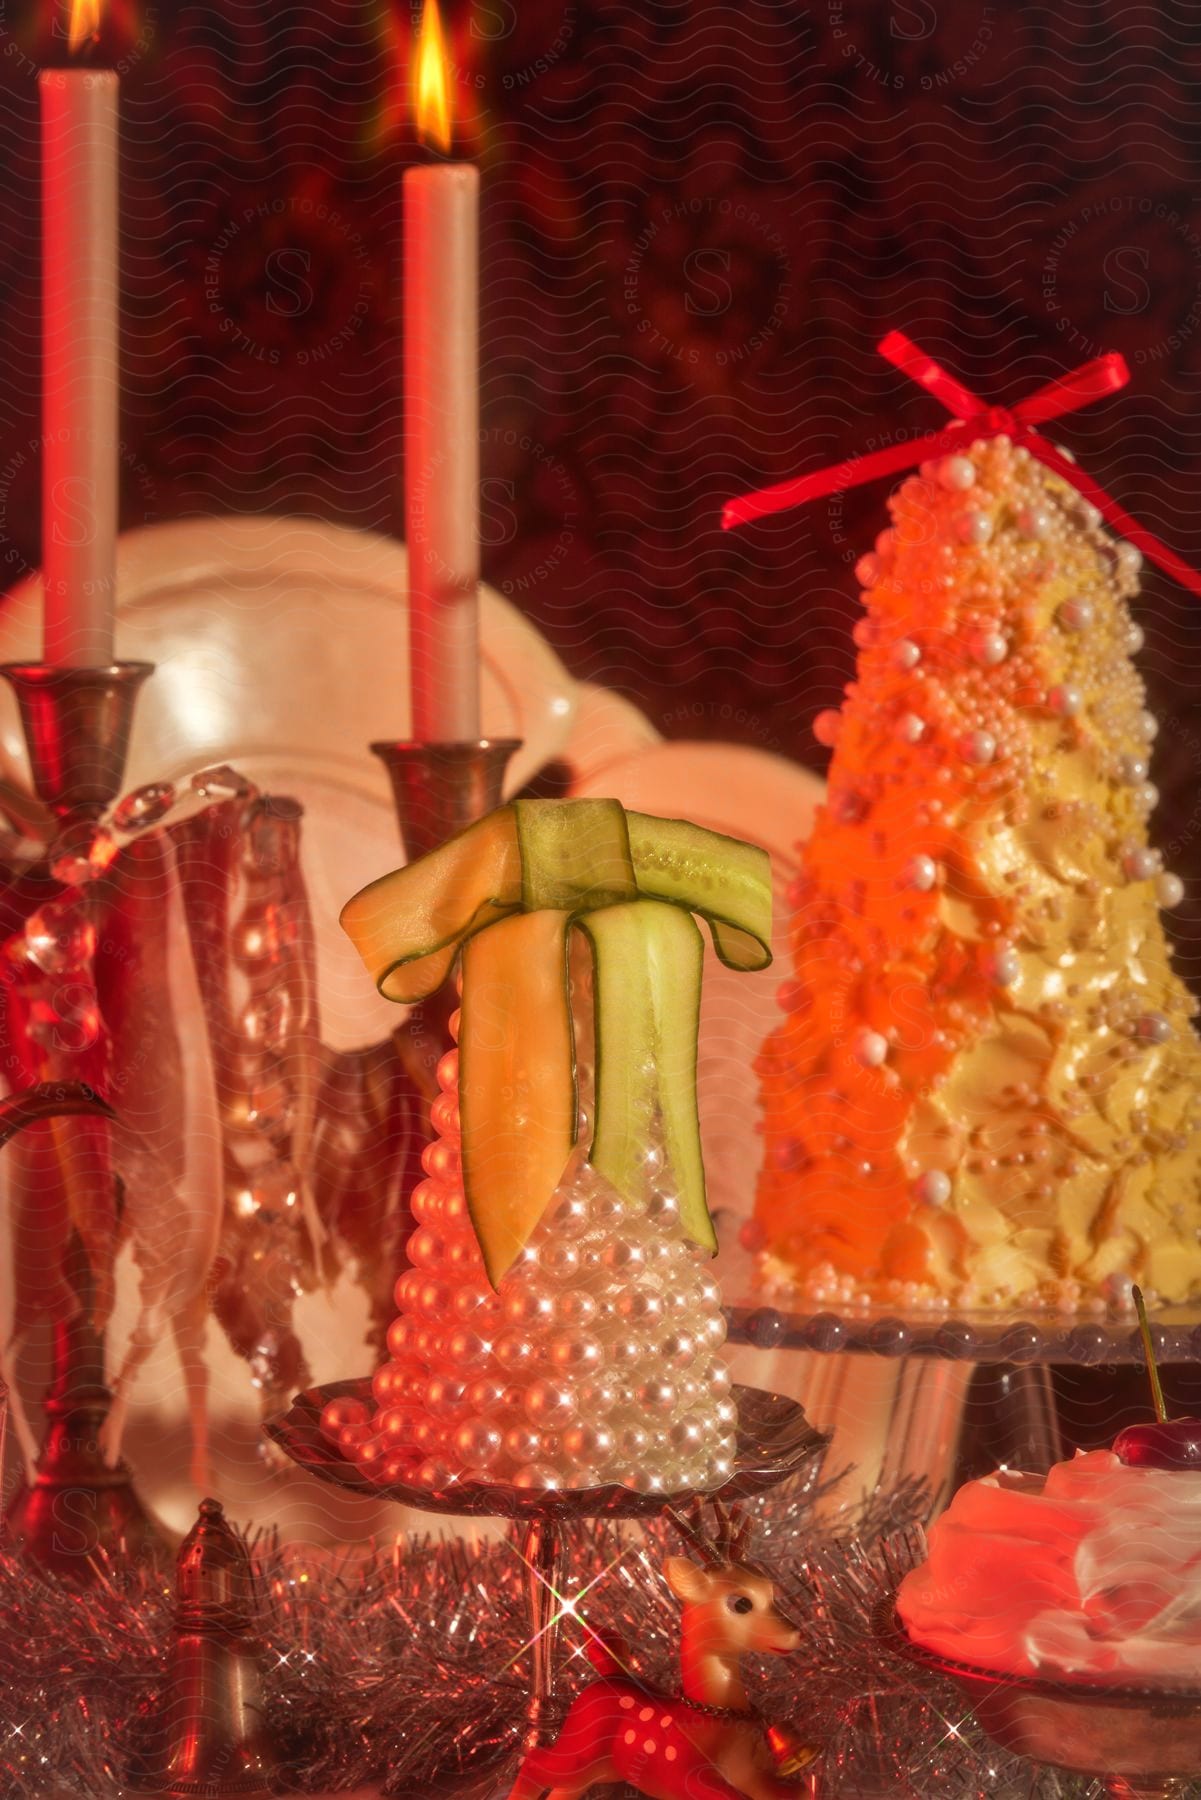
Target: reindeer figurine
(708, 1743)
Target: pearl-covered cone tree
(593, 1362)
(556, 1329)
(986, 1087)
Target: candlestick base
(77, 725)
(440, 789)
(77, 1505)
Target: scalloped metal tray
(775, 1441)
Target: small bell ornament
(215, 1741)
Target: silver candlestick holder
(440, 789)
(77, 725)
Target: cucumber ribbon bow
(506, 893)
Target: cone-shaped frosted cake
(985, 1089)
(556, 1326)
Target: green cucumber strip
(517, 1088)
(575, 854)
(408, 926)
(724, 879)
(648, 959)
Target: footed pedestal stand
(775, 1440)
(931, 1397)
(1136, 1744)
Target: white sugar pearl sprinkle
(1076, 615)
(956, 473)
(910, 729)
(978, 747)
(990, 649)
(974, 528)
(1153, 1028)
(1140, 864)
(1066, 701)
(871, 1049)
(1169, 889)
(1006, 967)
(906, 654)
(933, 1188)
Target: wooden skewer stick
(1157, 1400)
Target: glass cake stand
(775, 1441)
(1143, 1743)
(936, 1396)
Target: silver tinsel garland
(409, 1666)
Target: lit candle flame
(85, 24)
(431, 80)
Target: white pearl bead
(1034, 521)
(1140, 864)
(1135, 638)
(678, 1348)
(1132, 768)
(588, 1443)
(906, 654)
(663, 1209)
(1076, 615)
(1130, 558)
(990, 649)
(956, 473)
(933, 1188)
(974, 528)
(871, 1049)
(1147, 796)
(559, 1260)
(576, 1353)
(922, 873)
(978, 747)
(1006, 967)
(538, 1476)
(826, 727)
(1153, 1028)
(910, 728)
(1169, 889)
(657, 1394)
(598, 1397)
(1089, 515)
(549, 1403)
(1148, 725)
(1066, 701)
(477, 1443)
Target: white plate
(281, 647)
(750, 794)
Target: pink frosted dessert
(1091, 1573)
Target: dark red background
(698, 219)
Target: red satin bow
(974, 420)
